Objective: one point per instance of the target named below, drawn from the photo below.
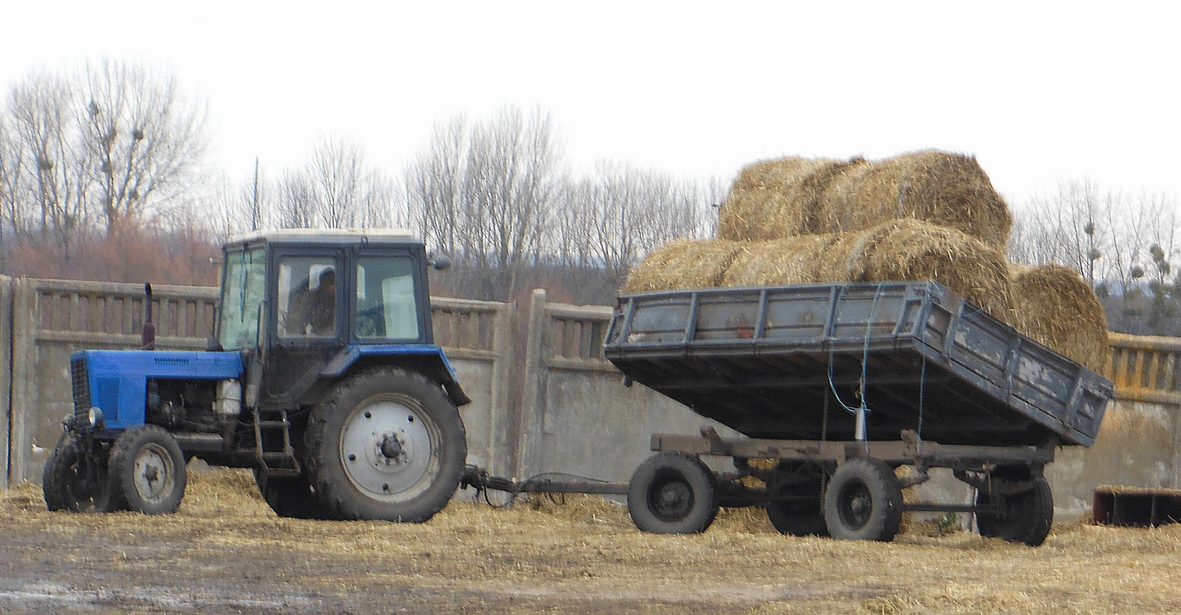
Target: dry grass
(582, 557)
(1057, 307)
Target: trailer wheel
(863, 501)
(1026, 517)
(291, 497)
(76, 479)
(671, 493)
(148, 470)
(796, 507)
(386, 444)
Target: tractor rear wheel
(291, 496)
(386, 444)
(75, 478)
(148, 470)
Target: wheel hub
(671, 500)
(856, 506)
(386, 448)
(153, 472)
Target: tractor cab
(303, 306)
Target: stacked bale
(685, 263)
(912, 250)
(1057, 307)
(896, 250)
(774, 199)
(926, 215)
(941, 188)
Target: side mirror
(441, 262)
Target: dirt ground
(225, 552)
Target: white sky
(1040, 92)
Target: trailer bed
(794, 362)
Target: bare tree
(108, 143)
(338, 189)
(485, 191)
(56, 175)
(143, 136)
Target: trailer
(832, 389)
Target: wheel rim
(154, 474)
(855, 505)
(670, 499)
(388, 449)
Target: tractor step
(274, 462)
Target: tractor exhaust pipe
(149, 333)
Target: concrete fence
(544, 398)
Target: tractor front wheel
(75, 477)
(148, 470)
(386, 444)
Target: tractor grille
(81, 385)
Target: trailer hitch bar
(480, 479)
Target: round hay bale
(794, 260)
(938, 187)
(1056, 306)
(773, 199)
(683, 264)
(914, 250)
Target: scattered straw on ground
(224, 552)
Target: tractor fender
(429, 359)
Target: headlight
(95, 417)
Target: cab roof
(321, 236)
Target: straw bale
(895, 250)
(773, 199)
(795, 260)
(1056, 306)
(913, 250)
(683, 264)
(939, 187)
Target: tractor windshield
(241, 298)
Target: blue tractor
(323, 377)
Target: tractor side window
(241, 297)
(307, 296)
(387, 303)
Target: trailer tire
(291, 497)
(148, 470)
(1027, 516)
(386, 444)
(76, 481)
(672, 493)
(863, 501)
(799, 511)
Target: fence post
(24, 360)
(502, 457)
(6, 413)
(530, 410)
